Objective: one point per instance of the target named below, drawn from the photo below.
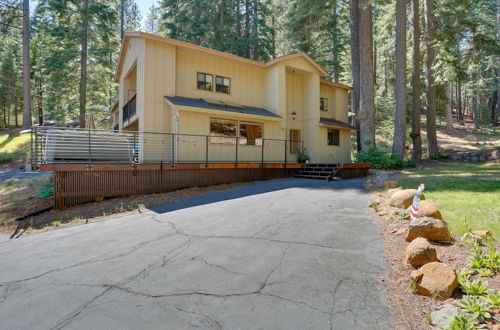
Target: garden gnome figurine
(416, 202)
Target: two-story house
(170, 86)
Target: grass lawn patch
(14, 148)
(461, 191)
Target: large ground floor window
(226, 131)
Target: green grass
(14, 148)
(461, 191)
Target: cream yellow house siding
(247, 86)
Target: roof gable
(186, 45)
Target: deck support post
(285, 154)
(206, 151)
(236, 160)
(262, 152)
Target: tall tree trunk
(197, 17)
(354, 15)
(40, 100)
(255, 33)
(335, 43)
(432, 146)
(273, 36)
(247, 28)
(26, 66)
(447, 108)
(459, 101)
(475, 101)
(16, 117)
(122, 19)
(398, 146)
(366, 95)
(497, 107)
(238, 27)
(83, 63)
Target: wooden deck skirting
(77, 185)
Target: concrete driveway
(282, 254)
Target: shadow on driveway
(260, 188)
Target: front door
(294, 140)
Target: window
(250, 134)
(205, 81)
(222, 84)
(223, 131)
(323, 104)
(294, 141)
(333, 137)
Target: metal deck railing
(56, 145)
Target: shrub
(383, 160)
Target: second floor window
(222, 85)
(204, 81)
(323, 104)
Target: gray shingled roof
(214, 105)
(334, 122)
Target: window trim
(333, 140)
(321, 103)
(229, 87)
(197, 81)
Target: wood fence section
(78, 187)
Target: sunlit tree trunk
(354, 14)
(26, 66)
(398, 145)
(416, 102)
(432, 145)
(83, 63)
(366, 95)
(447, 108)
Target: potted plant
(302, 156)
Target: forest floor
(464, 137)
(20, 196)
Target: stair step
(314, 173)
(310, 177)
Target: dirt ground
(94, 211)
(410, 311)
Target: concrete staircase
(318, 171)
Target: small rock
(419, 252)
(381, 214)
(401, 231)
(404, 198)
(442, 315)
(393, 212)
(391, 192)
(381, 179)
(428, 209)
(481, 233)
(432, 229)
(435, 279)
(391, 184)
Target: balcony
(129, 109)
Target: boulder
(391, 192)
(435, 279)
(381, 178)
(393, 212)
(419, 252)
(430, 228)
(391, 184)
(481, 233)
(440, 318)
(404, 198)
(428, 209)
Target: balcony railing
(129, 109)
(51, 145)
